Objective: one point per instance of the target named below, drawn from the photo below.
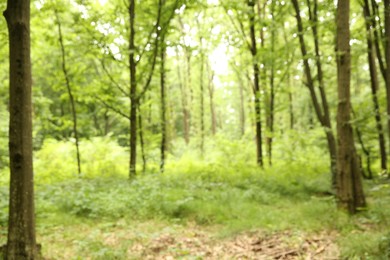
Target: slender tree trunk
(201, 105)
(290, 102)
(387, 54)
(141, 140)
(374, 85)
(163, 106)
(256, 88)
(187, 90)
(133, 93)
(70, 93)
(271, 115)
(320, 106)
(349, 189)
(211, 100)
(184, 103)
(377, 37)
(190, 99)
(290, 90)
(242, 107)
(21, 243)
(365, 150)
(106, 123)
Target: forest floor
(152, 240)
(206, 215)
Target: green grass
(77, 216)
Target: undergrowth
(221, 190)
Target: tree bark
(141, 140)
(163, 106)
(387, 54)
(201, 94)
(256, 84)
(70, 93)
(211, 99)
(21, 243)
(184, 103)
(271, 112)
(320, 104)
(374, 85)
(349, 189)
(133, 93)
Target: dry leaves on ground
(198, 245)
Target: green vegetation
(221, 196)
(195, 129)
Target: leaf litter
(254, 245)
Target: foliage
(55, 161)
(221, 187)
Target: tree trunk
(133, 93)
(211, 100)
(163, 106)
(387, 54)
(321, 108)
(201, 103)
(349, 189)
(374, 85)
(70, 93)
(365, 150)
(184, 103)
(290, 102)
(21, 243)
(377, 38)
(242, 106)
(290, 90)
(256, 87)
(271, 115)
(187, 89)
(141, 140)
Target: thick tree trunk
(21, 243)
(374, 85)
(256, 87)
(349, 189)
(70, 93)
(133, 93)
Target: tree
(387, 55)
(374, 84)
(350, 195)
(133, 92)
(21, 243)
(163, 104)
(320, 103)
(256, 83)
(69, 90)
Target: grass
(103, 215)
